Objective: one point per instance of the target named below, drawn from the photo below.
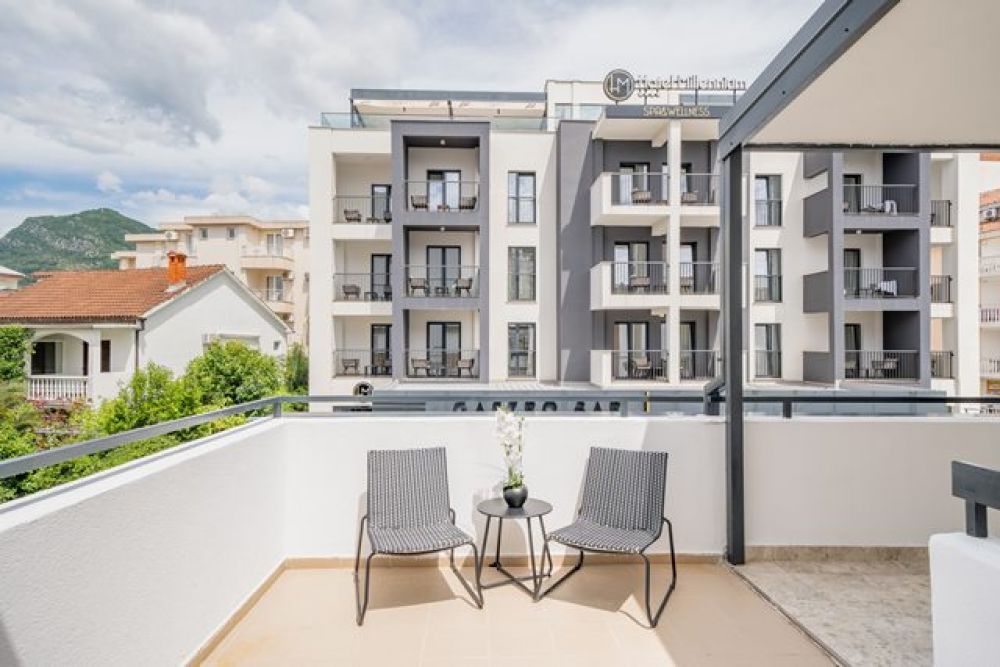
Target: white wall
(141, 564)
(527, 152)
(965, 588)
(175, 334)
(420, 160)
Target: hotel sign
(619, 85)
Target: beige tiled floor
(875, 612)
(422, 616)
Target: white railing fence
(57, 387)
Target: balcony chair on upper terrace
(463, 284)
(350, 366)
(409, 514)
(464, 365)
(466, 203)
(642, 367)
(639, 283)
(421, 364)
(351, 292)
(418, 202)
(381, 363)
(352, 215)
(642, 197)
(621, 512)
(415, 284)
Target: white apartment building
(989, 291)
(559, 237)
(269, 256)
(9, 278)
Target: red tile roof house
(92, 329)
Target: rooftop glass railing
(354, 121)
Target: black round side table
(496, 508)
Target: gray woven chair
(409, 514)
(621, 511)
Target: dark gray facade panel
(618, 152)
(817, 213)
(815, 163)
(817, 367)
(404, 220)
(901, 330)
(817, 293)
(700, 155)
(577, 170)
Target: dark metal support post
(980, 489)
(732, 331)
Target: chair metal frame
(361, 602)
(653, 618)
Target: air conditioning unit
(288, 233)
(172, 235)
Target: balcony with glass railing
(362, 210)
(442, 196)
(767, 288)
(649, 365)
(881, 283)
(700, 364)
(881, 365)
(441, 281)
(364, 362)
(699, 189)
(442, 363)
(272, 258)
(877, 200)
(615, 285)
(629, 198)
(699, 278)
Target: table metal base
(538, 573)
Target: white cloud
(108, 182)
(206, 104)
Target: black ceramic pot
(515, 496)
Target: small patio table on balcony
(497, 508)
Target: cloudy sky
(161, 108)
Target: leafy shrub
(15, 344)
(230, 373)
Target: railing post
(786, 409)
(276, 408)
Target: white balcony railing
(989, 366)
(51, 388)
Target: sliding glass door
(443, 189)
(444, 345)
(444, 267)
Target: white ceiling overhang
(879, 73)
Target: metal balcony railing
(274, 295)
(442, 196)
(441, 281)
(880, 283)
(699, 277)
(767, 288)
(639, 365)
(700, 364)
(645, 189)
(442, 363)
(521, 363)
(362, 363)
(57, 388)
(767, 363)
(881, 199)
(639, 278)
(699, 188)
(941, 289)
(941, 213)
(360, 209)
(362, 287)
(941, 364)
(521, 286)
(989, 314)
(881, 364)
(265, 252)
(768, 213)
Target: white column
(674, 251)
(322, 181)
(965, 287)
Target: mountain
(83, 240)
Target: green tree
(15, 344)
(297, 370)
(151, 396)
(230, 373)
